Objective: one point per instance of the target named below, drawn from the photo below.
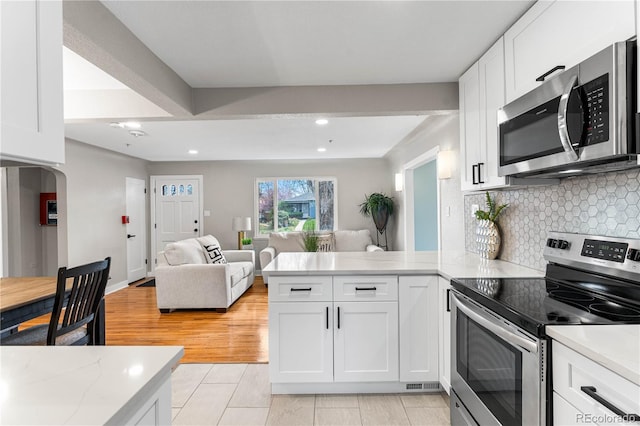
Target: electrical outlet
(474, 209)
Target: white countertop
(448, 264)
(79, 384)
(616, 347)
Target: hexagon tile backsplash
(605, 204)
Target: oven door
(496, 368)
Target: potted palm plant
(380, 207)
(487, 232)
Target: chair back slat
(81, 302)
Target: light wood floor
(239, 335)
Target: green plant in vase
(487, 232)
(380, 207)
(310, 241)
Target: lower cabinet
(364, 329)
(418, 302)
(301, 342)
(444, 332)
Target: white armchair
(184, 279)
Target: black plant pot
(380, 218)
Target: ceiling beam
(94, 33)
(359, 100)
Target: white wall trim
(112, 288)
(152, 221)
(408, 202)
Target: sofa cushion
(183, 252)
(286, 241)
(212, 249)
(352, 240)
(239, 270)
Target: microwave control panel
(596, 94)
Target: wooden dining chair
(73, 325)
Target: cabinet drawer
(572, 372)
(307, 288)
(365, 288)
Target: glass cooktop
(533, 303)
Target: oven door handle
(495, 328)
(563, 130)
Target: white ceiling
(213, 44)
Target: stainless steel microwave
(580, 121)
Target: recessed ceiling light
(117, 124)
(137, 133)
(322, 149)
(321, 121)
(193, 151)
(132, 124)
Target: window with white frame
(289, 204)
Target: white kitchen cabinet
(561, 33)
(300, 342)
(481, 92)
(444, 332)
(578, 383)
(418, 315)
(366, 342)
(32, 123)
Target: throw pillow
(212, 249)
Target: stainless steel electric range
(500, 365)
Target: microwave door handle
(562, 120)
(496, 329)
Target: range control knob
(563, 245)
(633, 254)
(552, 243)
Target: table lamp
(241, 224)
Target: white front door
(136, 242)
(177, 212)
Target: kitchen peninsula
(346, 322)
(82, 385)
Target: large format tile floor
(240, 394)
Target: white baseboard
(111, 288)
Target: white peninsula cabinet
(31, 120)
(444, 333)
(353, 333)
(561, 34)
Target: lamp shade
(241, 223)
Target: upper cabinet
(31, 77)
(561, 34)
(481, 91)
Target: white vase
(488, 239)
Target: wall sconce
(241, 224)
(444, 160)
(399, 182)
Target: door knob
(130, 235)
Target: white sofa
(184, 279)
(342, 240)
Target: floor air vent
(423, 386)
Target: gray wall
(229, 188)
(442, 131)
(606, 204)
(96, 199)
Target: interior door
(177, 209)
(136, 242)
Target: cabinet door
(31, 78)
(366, 342)
(444, 332)
(491, 77)
(566, 414)
(469, 94)
(300, 342)
(561, 33)
(418, 314)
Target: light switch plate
(207, 213)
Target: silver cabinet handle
(495, 328)
(563, 131)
